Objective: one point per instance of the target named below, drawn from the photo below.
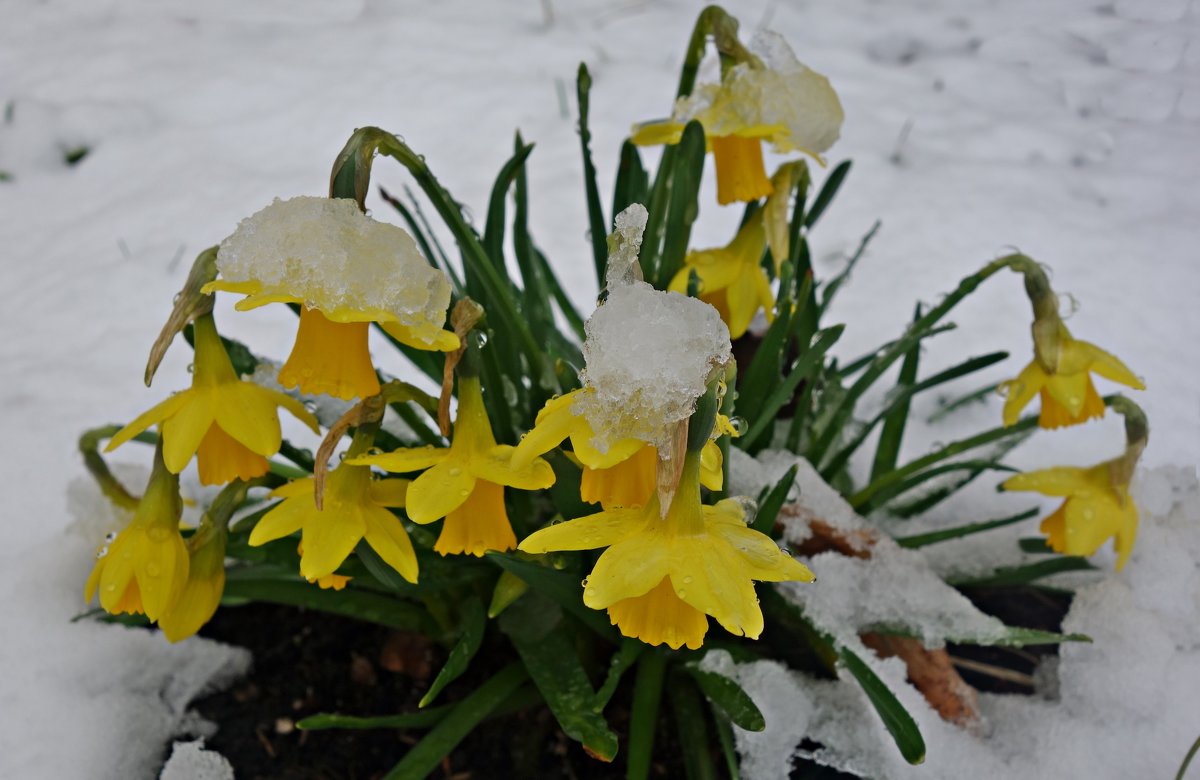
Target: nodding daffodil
(661, 575)
(1062, 376)
(732, 278)
(465, 482)
(354, 509)
(768, 96)
(231, 425)
(201, 594)
(347, 270)
(144, 567)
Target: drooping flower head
(649, 355)
(230, 425)
(143, 569)
(663, 573)
(346, 270)
(465, 482)
(1061, 369)
(354, 508)
(201, 593)
(1098, 506)
(768, 96)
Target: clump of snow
(785, 93)
(649, 354)
(190, 761)
(329, 254)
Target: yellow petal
(1059, 481)
(741, 175)
(496, 466)
(403, 461)
(586, 451)
(743, 298)
(627, 569)
(387, 536)
(761, 557)
(304, 486)
(656, 133)
(439, 491)
(196, 605)
(284, 520)
(154, 414)
(221, 459)
(161, 568)
(602, 529)
(294, 406)
(1108, 366)
(1069, 391)
(1022, 390)
(331, 358)
(630, 483)
(329, 537)
(554, 423)
(389, 492)
(712, 472)
(183, 431)
(427, 338)
(248, 414)
(713, 579)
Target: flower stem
(647, 693)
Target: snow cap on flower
(784, 101)
(649, 355)
(328, 255)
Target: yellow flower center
(741, 174)
(221, 458)
(479, 524)
(628, 484)
(660, 616)
(331, 358)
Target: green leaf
(946, 407)
(828, 190)
(835, 284)
(560, 586)
(493, 232)
(408, 720)
(633, 183)
(973, 468)
(895, 718)
(425, 756)
(627, 653)
(358, 604)
(933, 537)
(684, 204)
(1013, 636)
(768, 510)
(805, 367)
(535, 627)
(729, 696)
(725, 739)
(895, 417)
(430, 247)
(688, 710)
(647, 694)
(1024, 574)
(474, 623)
(597, 227)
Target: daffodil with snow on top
(346, 271)
(230, 425)
(767, 96)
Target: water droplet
(455, 471)
(110, 537)
(153, 569)
(464, 492)
(481, 339)
(157, 534)
(374, 451)
(584, 583)
(739, 425)
(111, 587)
(681, 593)
(687, 580)
(191, 368)
(103, 551)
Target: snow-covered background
(1066, 129)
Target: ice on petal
(327, 253)
(624, 244)
(649, 354)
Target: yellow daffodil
(144, 567)
(732, 278)
(769, 96)
(465, 482)
(354, 508)
(661, 575)
(347, 270)
(230, 425)
(201, 594)
(1061, 374)
(1096, 509)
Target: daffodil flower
(661, 575)
(347, 271)
(465, 482)
(1061, 374)
(144, 568)
(1096, 509)
(201, 593)
(354, 508)
(732, 278)
(769, 97)
(232, 426)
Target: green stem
(89, 447)
(647, 693)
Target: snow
(1065, 129)
(648, 354)
(190, 761)
(328, 253)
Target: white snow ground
(1065, 129)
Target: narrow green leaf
(835, 284)
(408, 720)
(684, 205)
(895, 718)
(768, 510)
(953, 405)
(535, 627)
(425, 756)
(437, 259)
(1013, 636)
(725, 739)
(493, 231)
(626, 655)
(574, 319)
(597, 227)
(560, 586)
(694, 742)
(729, 696)
(647, 694)
(1023, 575)
(933, 537)
(352, 603)
(805, 367)
(895, 418)
(828, 190)
(474, 623)
(633, 183)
